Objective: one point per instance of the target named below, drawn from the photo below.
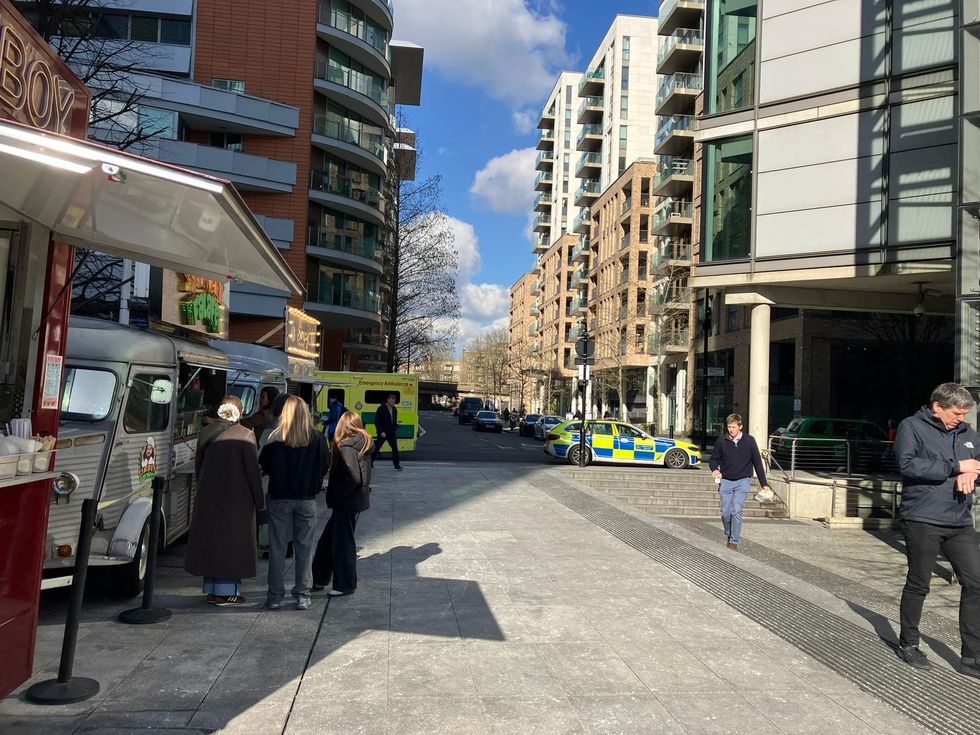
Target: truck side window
(142, 416)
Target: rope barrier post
(68, 689)
(146, 613)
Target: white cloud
(484, 301)
(470, 329)
(525, 121)
(467, 246)
(506, 183)
(505, 47)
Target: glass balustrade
(669, 125)
(347, 132)
(345, 186)
(682, 36)
(366, 247)
(357, 27)
(368, 85)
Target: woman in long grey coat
(221, 543)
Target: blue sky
(489, 66)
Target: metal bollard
(146, 613)
(67, 689)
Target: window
(144, 28)
(568, 94)
(632, 431)
(87, 394)
(377, 397)
(177, 32)
(624, 82)
(730, 55)
(111, 26)
(626, 49)
(601, 428)
(624, 106)
(157, 123)
(728, 199)
(228, 141)
(229, 85)
(246, 394)
(731, 319)
(142, 416)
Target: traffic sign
(585, 347)
(585, 361)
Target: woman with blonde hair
(221, 541)
(295, 458)
(348, 495)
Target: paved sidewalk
(506, 599)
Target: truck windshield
(87, 395)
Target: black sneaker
(914, 657)
(970, 667)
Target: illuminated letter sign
(302, 334)
(203, 305)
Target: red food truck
(59, 192)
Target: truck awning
(117, 203)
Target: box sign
(195, 303)
(36, 87)
(302, 334)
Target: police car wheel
(573, 455)
(676, 459)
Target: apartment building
(309, 140)
(554, 323)
(829, 190)
(523, 348)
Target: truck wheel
(129, 577)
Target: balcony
(589, 138)
(580, 277)
(363, 93)
(544, 161)
(592, 83)
(583, 222)
(534, 310)
(547, 119)
(672, 215)
(543, 202)
(536, 288)
(348, 194)
(532, 328)
(360, 39)
(579, 306)
(673, 299)
(668, 341)
(544, 181)
(674, 177)
(587, 193)
(363, 147)
(679, 14)
(365, 341)
(246, 171)
(680, 51)
(330, 246)
(677, 93)
(588, 166)
(671, 255)
(580, 253)
(547, 140)
(542, 224)
(675, 135)
(347, 308)
(590, 111)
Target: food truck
(59, 192)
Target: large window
(728, 199)
(142, 415)
(731, 55)
(87, 394)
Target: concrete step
(636, 485)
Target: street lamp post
(584, 356)
(705, 328)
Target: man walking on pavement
(937, 454)
(386, 426)
(734, 456)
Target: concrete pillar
(680, 415)
(759, 373)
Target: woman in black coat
(348, 494)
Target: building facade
(523, 347)
(829, 185)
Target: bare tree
(422, 305)
(490, 360)
(91, 40)
(522, 370)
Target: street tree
(490, 362)
(523, 369)
(422, 305)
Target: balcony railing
(592, 77)
(366, 338)
(586, 130)
(671, 208)
(532, 329)
(670, 166)
(680, 250)
(673, 295)
(624, 276)
(545, 177)
(679, 80)
(544, 198)
(669, 125)
(594, 102)
(333, 240)
(351, 298)
(365, 84)
(357, 27)
(589, 159)
(627, 203)
(584, 218)
(544, 156)
(534, 310)
(685, 36)
(373, 143)
(667, 6)
(345, 186)
(667, 338)
(536, 288)
(590, 188)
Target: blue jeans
(296, 520)
(733, 494)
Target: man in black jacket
(386, 426)
(938, 456)
(732, 460)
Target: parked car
(832, 444)
(526, 425)
(468, 408)
(487, 421)
(619, 442)
(545, 424)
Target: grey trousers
(291, 520)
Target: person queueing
(938, 453)
(348, 495)
(295, 459)
(335, 409)
(221, 540)
(733, 458)
(386, 424)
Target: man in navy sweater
(732, 460)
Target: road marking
(502, 447)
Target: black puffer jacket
(349, 483)
(928, 457)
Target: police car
(615, 441)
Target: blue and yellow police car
(619, 442)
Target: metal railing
(596, 75)
(372, 87)
(590, 129)
(352, 298)
(678, 81)
(671, 208)
(544, 156)
(346, 186)
(357, 27)
(686, 36)
(589, 102)
(670, 166)
(839, 457)
(347, 131)
(365, 247)
(668, 125)
(667, 6)
(590, 159)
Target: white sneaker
(303, 603)
(336, 593)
